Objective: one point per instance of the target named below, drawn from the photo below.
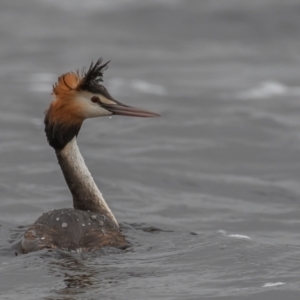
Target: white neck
(86, 195)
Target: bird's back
(72, 230)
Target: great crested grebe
(91, 224)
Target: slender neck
(86, 195)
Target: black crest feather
(93, 76)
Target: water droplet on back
(64, 225)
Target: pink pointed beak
(125, 110)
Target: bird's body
(72, 230)
(91, 224)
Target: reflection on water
(78, 277)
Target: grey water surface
(208, 195)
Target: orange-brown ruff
(65, 90)
(90, 225)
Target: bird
(90, 224)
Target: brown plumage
(91, 224)
(72, 230)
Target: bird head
(78, 96)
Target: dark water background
(208, 194)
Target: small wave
(119, 86)
(148, 88)
(269, 89)
(273, 284)
(237, 236)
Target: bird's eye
(95, 99)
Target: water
(207, 195)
